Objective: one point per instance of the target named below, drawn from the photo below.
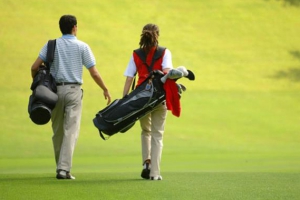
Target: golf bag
(43, 98)
(122, 114)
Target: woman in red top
(153, 124)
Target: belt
(67, 83)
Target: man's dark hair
(66, 23)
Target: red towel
(172, 97)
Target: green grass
(191, 185)
(238, 134)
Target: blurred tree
(291, 2)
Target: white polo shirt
(70, 56)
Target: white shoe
(156, 178)
(62, 174)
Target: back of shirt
(69, 58)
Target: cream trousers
(65, 119)
(153, 126)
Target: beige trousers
(65, 119)
(153, 126)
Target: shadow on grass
(295, 3)
(25, 178)
(293, 74)
(37, 179)
(291, 2)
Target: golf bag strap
(133, 84)
(102, 136)
(50, 52)
(142, 55)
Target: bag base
(40, 114)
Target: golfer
(70, 56)
(153, 124)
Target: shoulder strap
(141, 53)
(159, 52)
(50, 52)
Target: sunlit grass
(239, 117)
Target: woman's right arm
(127, 85)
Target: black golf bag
(122, 114)
(43, 97)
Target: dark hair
(66, 23)
(149, 37)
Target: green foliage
(241, 114)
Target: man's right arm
(98, 79)
(35, 66)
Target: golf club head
(182, 87)
(183, 70)
(191, 75)
(172, 74)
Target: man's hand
(107, 96)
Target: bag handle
(102, 136)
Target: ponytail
(149, 37)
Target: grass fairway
(238, 134)
(191, 185)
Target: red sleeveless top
(142, 68)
